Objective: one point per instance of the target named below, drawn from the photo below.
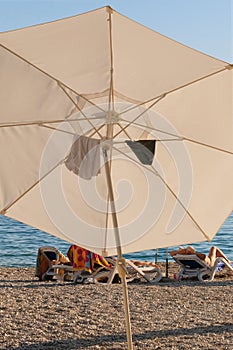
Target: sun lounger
(150, 274)
(45, 267)
(47, 270)
(193, 266)
(108, 275)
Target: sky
(205, 25)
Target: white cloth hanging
(84, 157)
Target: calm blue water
(19, 244)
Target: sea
(19, 244)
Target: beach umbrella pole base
(122, 272)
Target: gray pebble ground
(172, 314)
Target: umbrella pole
(121, 264)
(166, 262)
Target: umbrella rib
(49, 75)
(179, 137)
(140, 114)
(228, 67)
(157, 140)
(39, 122)
(155, 172)
(141, 104)
(154, 129)
(126, 133)
(76, 105)
(64, 131)
(206, 145)
(30, 123)
(183, 206)
(55, 129)
(4, 210)
(99, 128)
(69, 132)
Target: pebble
(173, 314)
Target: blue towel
(221, 266)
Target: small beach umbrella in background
(113, 136)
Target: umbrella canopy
(113, 136)
(105, 77)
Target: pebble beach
(171, 314)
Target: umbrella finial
(229, 66)
(109, 9)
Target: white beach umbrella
(150, 121)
